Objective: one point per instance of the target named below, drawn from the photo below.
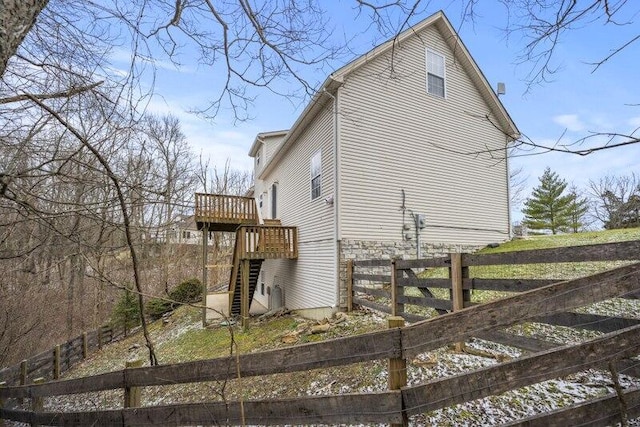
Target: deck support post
(205, 278)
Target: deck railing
(267, 242)
(262, 242)
(221, 208)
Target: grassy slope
(183, 339)
(555, 271)
(560, 271)
(561, 240)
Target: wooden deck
(267, 242)
(221, 212)
(253, 244)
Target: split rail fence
(386, 285)
(615, 349)
(51, 364)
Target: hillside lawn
(182, 338)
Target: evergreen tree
(548, 207)
(577, 210)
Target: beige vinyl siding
(306, 282)
(271, 145)
(394, 136)
(266, 150)
(310, 281)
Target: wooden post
(23, 372)
(457, 295)
(205, 272)
(37, 402)
(2, 384)
(397, 368)
(56, 362)
(100, 338)
(85, 345)
(396, 291)
(349, 280)
(244, 293)
(132, 395)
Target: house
(183, 231)
(401, 153)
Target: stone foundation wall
(367, 249)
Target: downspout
(506, 159)
(336, 196)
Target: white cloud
(570, 121)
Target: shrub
(188, 291)
(126, 313)
(156, 307)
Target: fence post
(100, 338)
(85, 346)
(23, 374)
(56, 362)
(396, 292)
(2, 384)
(457, 294)
(397, 368)
(37, 402)
(132, 395)
(349, 280)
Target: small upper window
(258, 158)
(435, 73)
(316, 175)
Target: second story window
(258, 159)
(316, 175)
(435, 73)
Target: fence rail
(394, 343)
(382, 284)
(50, 364)
(398, 344)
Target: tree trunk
(16, 20)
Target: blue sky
(577, 101)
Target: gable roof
(335, 80)
(262, 136)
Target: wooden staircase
(253, 244)
(235, 288)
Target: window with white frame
(435, 73)
(316, 175)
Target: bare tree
(616, 201)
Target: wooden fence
(50, 364)
(382, 284)
(398, 345)
(612, 350)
